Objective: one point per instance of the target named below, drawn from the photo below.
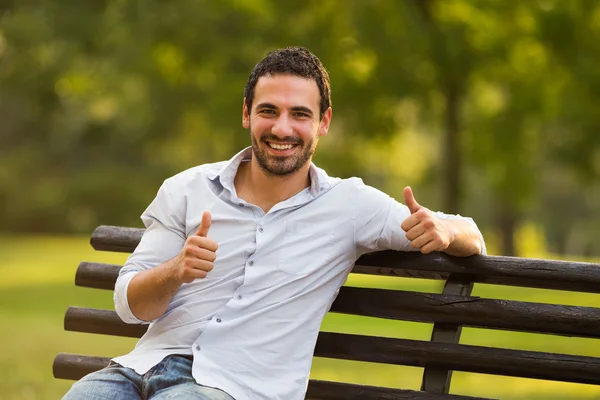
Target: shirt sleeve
(378, 220)
(163, 239)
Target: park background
(488, 108)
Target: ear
(245, 115)
(325, 121)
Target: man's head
(287, 106)
(296, 61)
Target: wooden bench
(449, 311)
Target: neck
(258, 187)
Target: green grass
(37, 286)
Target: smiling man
(242, 259)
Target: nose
(282, 126)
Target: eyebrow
(303, 109)
(295, 108)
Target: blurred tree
(570, 29)
(100, 101)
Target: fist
(425, 231)
(198, 255)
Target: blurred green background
(488, 108)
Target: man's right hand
(197, 257)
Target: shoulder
(353, 187)
(332, 184)
(363, 193)
(194, 175)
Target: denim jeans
(169, 379)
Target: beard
(286, 165)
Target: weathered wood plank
(116, 238)
(97, 275)
(546, 274)
(105, 322)
(103, 276)
(430, 308)
(460, 357)
(75, 366)
(470, 311)
(323, 390)
(513, 271)
(435, 379)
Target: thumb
(409, 200)
(204, 225)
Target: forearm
(150, 292)
(466, 239)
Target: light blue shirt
(252, 323)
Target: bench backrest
(449, 311)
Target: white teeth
(281, 146)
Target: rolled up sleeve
(120, 298)
(467, 219)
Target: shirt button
(260, 229)
(250, 263)
(241, 204)
(219, 320)
(239, 296)
(198, 347)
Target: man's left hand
(425, 231)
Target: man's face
(284, 123)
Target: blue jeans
(169, 379)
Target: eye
(300, 114)
(267, 111)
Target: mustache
(287, 139)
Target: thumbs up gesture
(198, 254)
(425, 231)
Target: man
(242, 259)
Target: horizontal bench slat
(323, 390)
(104, 322)
(427, 307)
(97, 275)
(103, 276)
(459, 357)
(500, 270)
(398, 351)
(546, 274)
(116, 238)
(470, 311)
(75, 366)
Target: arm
(164, 258)
(149, 292)
(382, 223)
(467, 240)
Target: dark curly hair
(294, 61)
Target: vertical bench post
(435, 379)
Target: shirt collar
(319, 180)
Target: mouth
(281, 148)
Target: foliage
(100, 101)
